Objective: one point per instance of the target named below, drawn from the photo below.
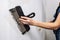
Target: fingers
(23, 17)
(24, 21)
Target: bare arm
(50, 25)
(53, 25)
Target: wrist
(35, 23)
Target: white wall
(44, 9)
(50, 9)
(4, 26)
(8, 26)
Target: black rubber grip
(20, 13)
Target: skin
(48, 25)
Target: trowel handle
(31, 15)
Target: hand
(26, 20)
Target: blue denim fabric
(59, 10)
(57, 32)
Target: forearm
(47, 25)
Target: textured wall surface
(8, 26)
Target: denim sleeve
(59, 10)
